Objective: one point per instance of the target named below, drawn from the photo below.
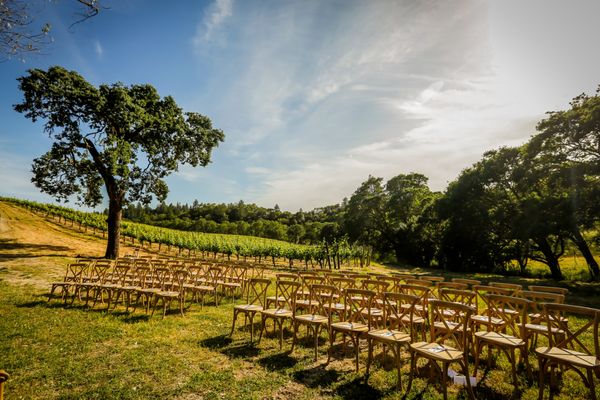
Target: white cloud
(215, 15)
(98, 49)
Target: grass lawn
(53, 351)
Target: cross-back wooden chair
(399, 330)
(110, 286)
(319, 315)
(357, 319)
(73, 275)
(154, 283)
(578, 349)
(536, 325)
(304, 297)
(285, 307)
(393, 281)
(172, 290)
(466, 297)
(403, 276)
(513, 311)
(431, 278)
(549, 289)
(450, 285)
(424, 295)
(338, 307)
(481, 316)
(285, 277)
(379, 287)
(256, 298)
(437, 350)
(3, 378)
(97, 276)
(235, 281)
(137, 282)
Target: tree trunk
(115, 211)
(550, 259)
(583, 247)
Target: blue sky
(315, 96)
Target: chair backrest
(342, 284)
(515, 288)
(466, 297)
(403, 276)
(470, 282)
(548, 289)
(513, 311)
(453, 318)
(160, 276)
(399, 311)
(99, 272)
(431, 278)
(393, 281)
(420, 282)
(422, 292)
(322, 299)
(180, 277)
(582, 336)
(452, 285)
(358, 303)
(76, 271)
(542, 297)
(119, 273)
(376, 286)
(287, 277)
(213, 275)
(286, 291)
(257, 291)
(140, 276)
(483, 290)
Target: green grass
(54, 351)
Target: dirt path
(34, 251)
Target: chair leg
(369, 357)
(262, 327)
(235, 314)
(592, 385)
(542, 376)
(413, 367)
(294, 338)
(317, 329)
(465, 367)
(445, 379)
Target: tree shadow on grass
(26, 250)
(358, 389)
(276, 362)
(216, 342)
(317, 377)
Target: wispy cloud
(98, 49)
(214, 16)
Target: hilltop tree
(125, 138)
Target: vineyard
(326, 255)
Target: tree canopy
(126, 139)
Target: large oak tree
(125, 138)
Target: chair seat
(306, 303)
(569, 356)
(312, 318)
(389, 335)
(375, 312)
(437, 351)
(336, 306)
(350, 326)
(539, 317)
(406, 319)
(501, 339)
(449, 325)
(167, 294)
(486, 320)
(248, 307)
(538, 328)
(277, 313)
(205, 288)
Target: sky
(315, 96)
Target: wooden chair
(256, 294)
(137, 282)
(431, 278)
(536, 325)
(513, 311)
(357, 323)
(153, 284)
(421, 318)
(110, 286)
(438, 351)
(549, 289)
(74, 274)
(420, 282)
(285, 307)
(319, 315)
(96, 277)
(304, 298)
(482, 316)
(398, 332)
(278, 277)
(578, 349)
(174, 290)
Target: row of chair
(458, 328)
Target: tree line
(516, 204)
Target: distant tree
(126, 138)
